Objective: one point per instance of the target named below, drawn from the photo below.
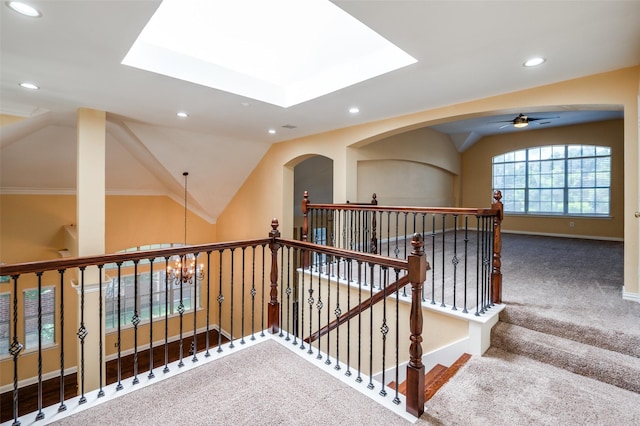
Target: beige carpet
(267, 384)
(570, 283)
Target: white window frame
(127, 298)
(544, 180)
(5, 324)
(48, 327)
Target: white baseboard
(634, 297)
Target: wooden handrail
(83, 261)
(411, 209)
(384, 261)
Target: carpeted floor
(569, 283)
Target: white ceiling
(465, 50)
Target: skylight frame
(301, 66)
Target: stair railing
(463, 244)
(239, 299)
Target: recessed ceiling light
(30, 86)
(354, 110)
(272, 131)
(182, 114)
(24, 9)
(534, 62)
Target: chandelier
(183, 268)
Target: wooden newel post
(374, 226)
(305, 229)
(418, 267)
(496, 272)
(274, 306)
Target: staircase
(436, 377)
(610, 357)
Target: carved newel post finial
(274, 233)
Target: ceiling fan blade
(504, 126)
(542, 118)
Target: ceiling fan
(522, 121)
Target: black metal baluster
(423, 233)
(82, 334)
(310, 301)
(319, 305)
(220, 299)
(384, 328)
(135, 320)
(242, 342)
(359, 377)
(194, 307)
(166, 315)
(40, 414)
(281, 294)
(183, 260)
(486, 262)
(396, 399)
(14, 350)
(301, 296)
(288, 291)
(371, 288)
(396, 249)
(345, 218)
(466, 257)
(444, 225)
(150, 375)
(295, 327)
(338, 312)
(253, 292)
(207, 354)
(454, 260)
(349, 278)
(388, 233)
(328, 360)
(433, 259)
(100, 324)
(231, 345)
(490, 261)
(478, 264)
(118, 343)
(62, 406)
(263, 304)
(404, 237)
(331, 226)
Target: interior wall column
(90, 205)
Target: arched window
(558, 179)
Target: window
(558, 179)
(5, 323)
(147, 287)
(47, 303)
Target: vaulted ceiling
(465, 50)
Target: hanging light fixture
(183, 268)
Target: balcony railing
(360, 312)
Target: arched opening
(315, 174)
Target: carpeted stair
(612, 359)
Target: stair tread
(591, 361)
(444, 377)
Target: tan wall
(476, 181)
(32, 228)
(270, 185)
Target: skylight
(283, 52)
